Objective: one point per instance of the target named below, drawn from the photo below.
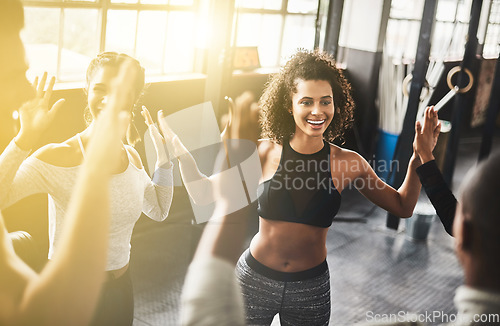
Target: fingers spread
(48, 92)
(35, 83)
(41, 85)
(57, 105)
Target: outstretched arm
(431, 178)
(158, 193)
(67, 289)
(401, 202)
(213, 297)
(36, 115)
(198, 185)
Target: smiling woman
(312, 107)
(305, 107)
(276, 102)
(53, 170)
(100, 73)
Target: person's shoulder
(344, 154)
(267, 145)
(341, 152)
(134, 156)
(59, 154)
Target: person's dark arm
(439, 193)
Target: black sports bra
(301, 190)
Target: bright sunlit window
(450, 29)
(492, 35)
(62, 37)
(166, 36)
(277, 28)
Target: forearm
(158, 194)
(439, 194)
(198, 185)
(410, 189)
(10, 160)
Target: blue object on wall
(384, 154)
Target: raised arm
(431, 178)
(399, 202)
(158, 193)
(66, 290)
(36, 116)
(198, 185)
(213, 297)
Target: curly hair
(114, 59)
(276, 121)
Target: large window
(276, 27)
(62, 36)
(167, 36)
(492, 32)
(450, 29)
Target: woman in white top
(53, 170)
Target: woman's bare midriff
(289, 247)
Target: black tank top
(301, 190)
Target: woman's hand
(158, 140)
(36, 115)
(426, 136)
(170, 136)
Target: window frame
(103, 6)
(452, 53)
(283, 12)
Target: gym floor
(374, 270)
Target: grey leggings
(301, 298)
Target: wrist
(426, 157)
(24, 141)
(415, 160)
(178, 147)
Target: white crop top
(131, 192)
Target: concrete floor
(373, 269)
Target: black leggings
(301, 298)
(116, 303)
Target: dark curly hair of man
(276, 121)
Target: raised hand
(158, 140)
(171, 136)
(426, 136)
(105, 146)
(36, 115)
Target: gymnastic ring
(452, 72)
(407, 81)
